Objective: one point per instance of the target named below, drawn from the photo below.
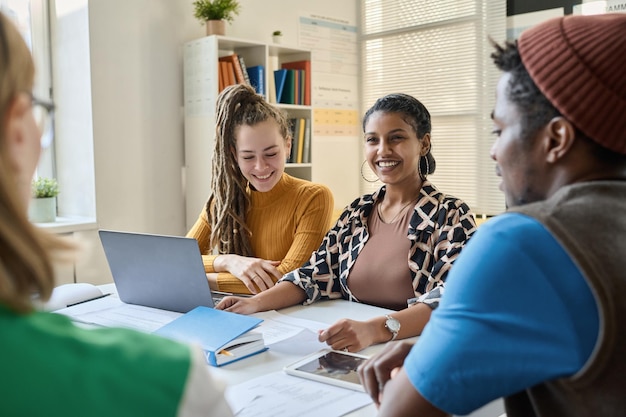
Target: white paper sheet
(111, 312)
(281, 395)
(277, 327)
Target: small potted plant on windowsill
(215, 13)
(277, 36)
(43, 204)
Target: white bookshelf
(201, 87)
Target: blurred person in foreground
(50, 367)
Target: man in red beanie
(534, 306)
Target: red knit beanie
(579, 64)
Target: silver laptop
(164, 272)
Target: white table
(269, 361)
(324, 312)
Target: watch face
(393, 324)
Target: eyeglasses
(43, 111)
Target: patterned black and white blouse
(439, 228)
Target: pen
(225, 352)
(91, 299)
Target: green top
(52, 367)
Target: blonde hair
(25, 252)
(228, 204)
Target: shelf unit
(201, 87)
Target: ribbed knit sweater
(287, 225)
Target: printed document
(281, 395)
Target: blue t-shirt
(516, 312)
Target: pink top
(381, 275)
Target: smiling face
(392, 148)
(519, 159)
(261, 153)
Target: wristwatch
(393, 325)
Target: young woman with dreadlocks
(259, 222)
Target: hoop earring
(423, 175)
(363, 175)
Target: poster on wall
(334, 97)
(334, 47)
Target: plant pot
(215, 27)
(277, 38)
(42, 210)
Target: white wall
(136, 98)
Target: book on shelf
(300, 86)
(301, 126)
(306, 153)
(289, 93)
(220, 76)
(279, 81)
(244, 69)
(296, 87)
(292, 131)
(305, 66)
(236, 66)
(257, 78)
(230, 74)
(225, 337)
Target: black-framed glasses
(43, 111)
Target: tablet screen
(334, 365)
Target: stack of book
(293, 83)
(301, 141)
(233, 70)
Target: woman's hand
(281, 295)
(380, 368)
(350, 335)
(241, 305)
(255, 273)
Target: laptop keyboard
(219, 295)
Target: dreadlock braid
(229, 201)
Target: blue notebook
(257, 78)
(225, 337)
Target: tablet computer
(331, 367)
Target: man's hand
(380, 368)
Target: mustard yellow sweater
(287, 225)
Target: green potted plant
(215, 13)
(277, 36)
(43, 205)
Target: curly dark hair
(535, 109)
(414, 113)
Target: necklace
(380, 214)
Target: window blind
(438, 52)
